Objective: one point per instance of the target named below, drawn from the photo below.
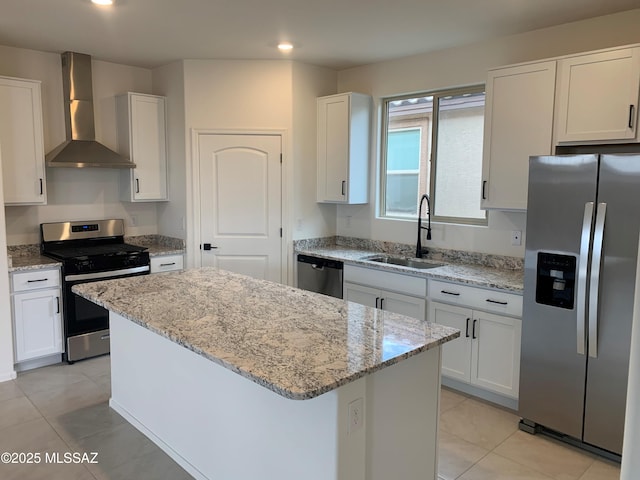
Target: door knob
(207, 246)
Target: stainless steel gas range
(89, 251)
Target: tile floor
(479, 441)
(63, 408)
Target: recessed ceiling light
(285, 46)
(102, 2)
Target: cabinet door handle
(467, 329)
(137, 186)
(446, 292)
(344, 185)
(57, 304)
(377, 299)
(497, 301)
(473, 334)
(38, 280)
(381, 306)
(631, 110)
(484, 192)
(41, 187)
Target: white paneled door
(241, 203)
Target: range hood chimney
(80, 149)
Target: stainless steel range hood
(80, 149)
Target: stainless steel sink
(405, 262)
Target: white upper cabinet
(21, 141)
(518, 124)
(344, 123)
(598, 96)
(142, 137)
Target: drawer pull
(446, 292)
(38, 280)
(497, 301)
(167, 264)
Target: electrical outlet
(348, 221)
(516, 238)
(356, 416)
(134, 220)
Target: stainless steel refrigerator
(583, 220)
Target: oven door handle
(105, 275)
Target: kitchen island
(237, 378)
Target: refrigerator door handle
(594, 286)
(581, 300)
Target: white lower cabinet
(37, 314)
(393, 292)
(166, 263)
(487, 353)
(385, 300)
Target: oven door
(87, 324)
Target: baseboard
(38, 362)
(6, 376)
(175, 456)
(511, 403)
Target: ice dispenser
(555, 280)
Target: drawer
(476, 298)
(167, 263)
(35, 279)
(395, 282)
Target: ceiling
(333, 33)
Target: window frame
(432, 161)
(417, 171)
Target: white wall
(310, 219)
(630, 459)
(6, 332)
(76, 194)
(458, 67)
(233, 95)
(169, 81)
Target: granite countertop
(27, 257)
(455, 269)
(32, 262)
(296, 343)
(158, 245)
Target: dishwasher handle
(320, 263)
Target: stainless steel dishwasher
(320, 275)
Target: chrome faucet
(419, 251)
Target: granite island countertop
(296, 343)
(502, 277)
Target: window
(432, 143)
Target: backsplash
(23, 250)
(405, 250)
